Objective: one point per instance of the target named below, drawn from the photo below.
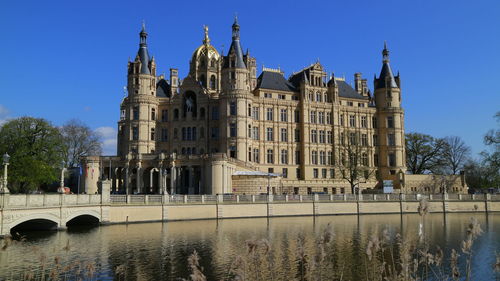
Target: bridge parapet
(12, 201)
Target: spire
(235, 48)
(236, 29)
(143, 50)
(386, 78)
(206, 40)
(385, 53)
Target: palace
(224, 128)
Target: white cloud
(4, 112)
(109, 141)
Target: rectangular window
(284, 156)
(297, 116)
(315, 173)
(322, 136)
(342, 120)
(392, 159)
(342, 138)
(314, 157)
(297, 135)
(215, 113)
(164, 115)
(375, 159)
(164, 134)
(232, 108)
(375, 140)
(285, 173)
(152, 134)
(342, 190)
(268, 95)
(269, 114)
(314, 136)
(269, 134)
(283, 115)
(364, 122)
(391, 140)
(364, 159)
(374, 122)
(281, 96)
(390, 122)
(270, 156)
(322, 158)
(135, 133)
(364, 139)
(352, 121)
(255, 113)
(329, 137)
(284, 135)
(214, 134)
(297, 175)
(329, 158)
(321, 117)
(232, 130)
(323, 173)
(332, 174)
(312, 118)
(135, 113)
(255, 133)
(350, 103)
(352, 138)
(256, 155)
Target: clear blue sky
(68, 59)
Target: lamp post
(61, 184)
(6, 159)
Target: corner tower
(236, 98)
(390, 122)
(139, 110)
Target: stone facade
(306, 132)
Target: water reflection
(159, 251)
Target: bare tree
(79, 141)
(423, 152)
(353, 161)
(455, 154)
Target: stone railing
(48, 200)
(291, 198)
(55, 200)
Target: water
(159, 251)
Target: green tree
(36, 150)
(423, 153)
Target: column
(125, 180)
(172, 179)
(190, 180)
(138, 178)
(161, 190)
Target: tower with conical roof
(236, 98)
(139, 110)
(390, 122)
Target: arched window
(203, 80)
(212, 63)
(175, 133)
(152, 134)
(318, 97)
(153, 114)
(202, 62)
(212, 82)
(202, 113)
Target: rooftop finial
(206, 40)
(236, 28)
(385, 53)
(143, 26)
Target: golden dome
(206, 49)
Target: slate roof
(144, 58)
(385, 75)
(346, 91)
(274, 81)
(163, 89)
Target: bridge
(59, 211)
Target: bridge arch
(83, 217)
(35, 222)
